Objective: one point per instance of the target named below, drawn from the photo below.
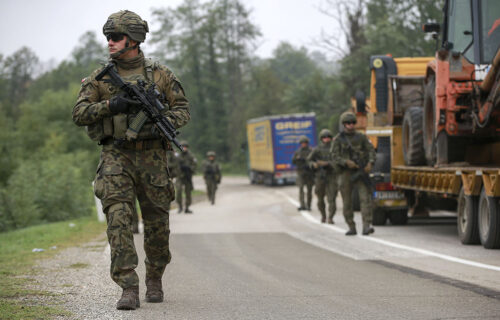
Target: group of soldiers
(341, 162)
(139, 164)
(182, 167)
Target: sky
(51, 28)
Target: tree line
(48, 163)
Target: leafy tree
(18, 71)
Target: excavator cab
(459, 111)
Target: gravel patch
(79, 280)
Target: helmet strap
(122, 51)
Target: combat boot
(129, 299)
(180, 209)
(188, 211)
(351, 231)
(367, 230)
(330, 221)
(154, 292)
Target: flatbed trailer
(474, 187)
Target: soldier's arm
(311, 159)
(368, 148)
(178, 112)
(295, 157)
(194, 163)
(89, 107)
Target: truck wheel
(429, 121)
(489, 221)
(398, 217)
(379, 217)
(467, 208)
(413, 143)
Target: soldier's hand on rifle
(368, 167)
(323, 163)
(314, 165)
(121, 103)
(351, 164)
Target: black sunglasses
(350, 122)
(115, 36)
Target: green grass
(17, 261)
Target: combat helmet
(303, 139)
(348, 117)
(325, 133)
(126, 22)
(211, 154)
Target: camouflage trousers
(326, 186)
(211, 188)
(122, 176)
(186, 186)
(305, 179)
(365, 199)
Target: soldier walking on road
(354, 154)
(135, 168)
(173, 167)
(187, 166)
(211, 175)
(325, 176)
(305, 176)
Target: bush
(56, 188)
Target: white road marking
(310, 218)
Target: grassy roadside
(17, 261)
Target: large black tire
(413, 144)
(467, 222)
(429, 121)
(489, 221)
(379, 217)
(398, 217)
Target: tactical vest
(116, 126)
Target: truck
(443, 124)
(272, 140)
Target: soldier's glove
(368, 167)
(351, 164)
(121, 103)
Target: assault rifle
(151, 106)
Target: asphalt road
(254, 256)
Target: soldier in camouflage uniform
(211, 175)
(305, 176)
(173, 166)
(187, 166)
(325, 176)
(355, 155)
(136, 168)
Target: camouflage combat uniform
(173, 166)
(305, 176)
(130, 169)
(211, 175)
(363, 152)
(325, 182)
(187, 166)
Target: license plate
(384, 195)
